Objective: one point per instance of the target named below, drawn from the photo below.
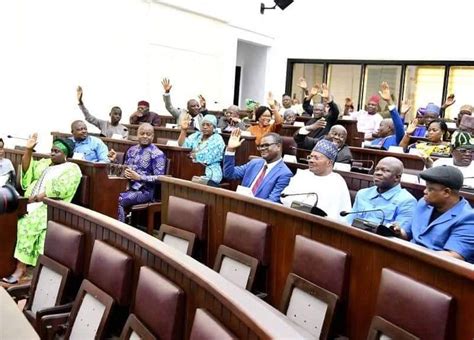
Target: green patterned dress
(57, 181)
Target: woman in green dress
(52, 177)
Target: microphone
(304, 193)
(345, 213)
(314, 210)
(13, 137)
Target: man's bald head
(388, 173)
(79, 130)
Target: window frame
(364, 63)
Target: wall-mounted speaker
(283, 3)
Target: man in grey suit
(193, 112)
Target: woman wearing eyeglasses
(263, 116)
(207, 147)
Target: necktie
(259, 179)
(191, 123)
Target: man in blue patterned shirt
(145, 162)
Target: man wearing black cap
(443, 220)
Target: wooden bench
(369, 254)
(238, 310)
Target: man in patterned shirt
(145, 162)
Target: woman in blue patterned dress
(145, 162)
(208, 147)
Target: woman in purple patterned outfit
(145, 162)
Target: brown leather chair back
(413, 306)
(320, 264)
(288, 145)
(111, 270)
(249, 236)
(188, 215)
(159, 304)
(65, 245)
(205, 326)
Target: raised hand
(184, 124)
(320, 124)
(270, 100)
(324, 91)
(315, 90)
(202, 101)
(302, 83)
(234, 140)
(449, 101)
(166, 85)
(406, 107)
(412, 126)
(32, 141)
(385, 92)
(79, 94)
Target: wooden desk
(413, 162)
(354, 137)
(369, 253)
(288, 130)
(237, 309)
(8, 227)
(13, 324)
(103, 190)
(247, 149)
(181, 165)
(161, 132)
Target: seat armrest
(19, 292)
(66, 308)
(52, 325)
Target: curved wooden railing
(240, 311)
(369, 253)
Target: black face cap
(446, 175)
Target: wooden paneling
(369, 253)
(8, 223)
(182, 165)
(409, 161)
(240, 311)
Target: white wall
(119, 50)
(368, 29)
(252, 58)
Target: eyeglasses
(264, 146)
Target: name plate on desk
(78, 155)
(342, 166)
(245, 133)
(291, 159)
(171, 126)
(171, 142)
(300, 124)
(396, 149)
(348, 118)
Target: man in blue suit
(266, 177)
(443, 220)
